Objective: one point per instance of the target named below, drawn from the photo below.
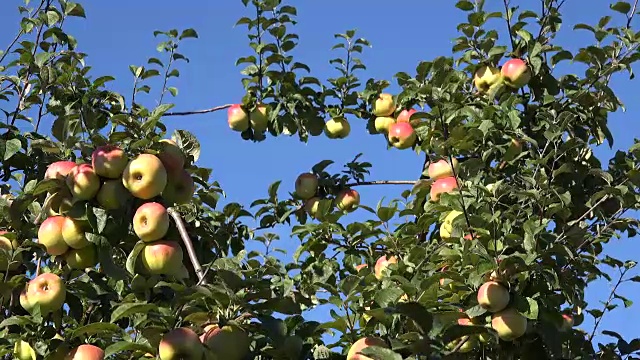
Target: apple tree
(116, 244)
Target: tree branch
(188, 244)
(195, 112)
(459, 345)
(606, 305)
(383, 182)
(20, 33)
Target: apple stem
(196, 112)
(383, 182)
(188, 244)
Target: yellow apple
(109, 161)
(59, 170)
(180, 188)
(180, 343)
(493, 296)
(509, 324)
(171, 156)
(347, 200)
(112, 195)
(145, 177)
(442, 168)
(47, 290)
(259, 118)
(384, 105)
(83, 182)
(6, 247)
(162, 257)
(486, 77)
(73, 233)
(237, 118)
(337, 128)
(151, 221)
(50, 235)
(382, 124)
(82, 258)
(23, 351)
(446, 228)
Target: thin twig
(20, 33)
(383, 182)
(459, 345)
(195, 112)
(606, 305)
(188, 244)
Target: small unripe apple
(180, 343)
(151, 221)
(83, 182)
(59, 169)
(171, 156)
(73, 233)
(109, 161)
(493, 297)
(337, 128)
(306, 186)
(348, 200)
(162, 257)
(405, 115)
(516, 73)
(402, 135)
(381, 265)
(486, 77)
(145, 177)
(180, 188)
(384, 105)
(509, 324)
(82, 258)
(112, 194)
(259, 118)
(357, 347)
(442, 168)
(50, 235)
(86, 352)
(47, 290)
(382, 124)
(237, 118)
(446, 228)
(444, 185)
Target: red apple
(180, 188)
(86, 352)
(493, 296)
(348, 200)
(402, 135)
(381, 265)
(151, 221)
(405, 115)
(355, 349)
(83, 182)
(50, 235)
(361, 266)
(384, 105)
(509, 324)
(171, 156)
(162, 257)
(145, 177)
(237, 118)
(443, 185)
(59, 170)
(109, 161)
(306, 186)
(516, 73)
(442, 168)
(567, 323)
(47, 290)
(180, 343)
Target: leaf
(621, 7)
(122, 346)
(45, 185)
(386, 296)
(126, 310)
(74, 9)
(133, 256)
(380, 353)
(11, 148)
(418, 314)
(188, 33)
(95, 328)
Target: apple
(567, 323)
(83, 182)
(151, 221)
(486, 77)
(145, 177)
(82, 258)
(442, 168)
(112, 194)
(384, 105)
(402, 135)
(180, 188)
(361, 266)
(50, 235)
(259, 118)
(382, 124)
(405, 115)
(47, 290)
(509, 324)
(207, 330)
(444, 185)
(162, 257)
(109, 161)
(516, 73)
(493, 297)
(6, 247)
(468, 346)
(229, 342)
(23, 351)
(59, 170)
(237, 118)
(86, 352)
(73, 233)
(355, 349)
(306, 186)
(171, 156)
(311, 206)
(381, 265)
(60, 202)
(446, 228)
(347, 200)
(180, 343)
(337, 128)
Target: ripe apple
(381, 265)
(162, 257)
(442, 168)
(355, 349)
(468, 346)
(567, 323)
(86, 352)
(361, 266)
(509, 324)
(347, 200)
(23, 351)
(112, 194)
(486, 77)
(59, 170)
(516, 73)
(50, 235)
(337, 128)
(402, 135)
(180, 343)
(83, 182)
(237, 118)
(180, 188)
(229, 342)
(145, 177)
(47, 290)
(259, 118)
(446, 228)
(73, 233)
(171, 156)
(6, 247)
(109, 161)
(60, 202)
(382, 124)
(384, 105)
(151, 221)
(306, 186)
(82, 258)
(312, 206)
(493, 296)
(405, 115)
(444, 185)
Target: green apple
(259, 118)
(151, 221)
(82, 258)
(83, 182)
(180, 343)
(384, 105)
(7, 246)
(237, 118)
(337, 128)
(112, 195)
(23, 351)
(47, 290)
(145, 177)
(162, 257)
(306, 186)
(493, 297)
(109, 161)
(180, 188)
(401, 135)
(486, 77)
(50, 235)
(509, 324)
(73, 233)
(312, 206)
(348, 200)
(446, 228)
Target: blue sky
(403, 32)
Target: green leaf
(380, 353)
(46, 185)
(133, 256)
(126, 310)
(94, 329)
(387, 296)
(173, 90)
(74, 9)
(621, 7)
(418, 314)
(188, 33)
(465, 5)
(12, 146)
(122, 346)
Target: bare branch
(196, 112)
(20, 33)
(383, 182)
(188, 244)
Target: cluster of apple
(22, 350)
(228, 342)
(515, 73)
(239, 120)
(306, 188)
(399, 130)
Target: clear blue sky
(403, 32)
